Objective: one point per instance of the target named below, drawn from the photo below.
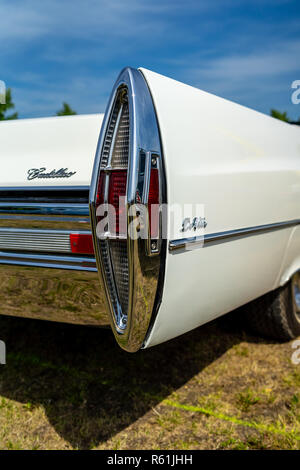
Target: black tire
(276, 315)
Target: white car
(186, 207)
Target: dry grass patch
(67, 387)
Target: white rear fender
(242, 168)
(45, 145)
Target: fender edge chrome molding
(221, 237)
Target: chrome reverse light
(126, 195)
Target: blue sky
(72, 50)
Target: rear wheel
(277, 314)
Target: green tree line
(6, 114)
(283, 116)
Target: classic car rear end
(190, 208)
(47, 262)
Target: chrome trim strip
(32, 221)
(81, 263)
(30, 227)
(41, 231)
(43, 208)
(197, 242)
(85, 220)
(44, 188)
(37, 239)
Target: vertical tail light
(153, 204)
(116, 199)
(128, 177)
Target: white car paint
(241, 166)
(54, 143)
(244, 167)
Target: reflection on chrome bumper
(36, 230)
(52, 294)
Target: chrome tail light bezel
(145, 256)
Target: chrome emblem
(196, 223)
(34, 173)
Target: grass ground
(68, 387)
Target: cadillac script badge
(194, 224)
(34, 173)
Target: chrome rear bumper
(35, 252)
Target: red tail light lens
(100, 192)
(117, 190)
(153, 203)
(81, 243)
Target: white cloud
(20, 23)
(260, 79)
(228, 72)
(84, 94)
(71, 50)
(261, 63)
(30, 19)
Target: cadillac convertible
(172, 209)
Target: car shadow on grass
(90, 389)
